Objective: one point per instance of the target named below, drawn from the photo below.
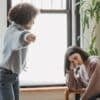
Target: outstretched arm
(28, 38)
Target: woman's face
(75, 59)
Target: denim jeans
(9, 85)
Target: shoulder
(94, 61)
(16, 29)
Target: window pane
(44, 4)
(45, 59)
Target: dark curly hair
(22, 13)
(71, 50)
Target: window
(45, 58)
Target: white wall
(3, 16)
(98, 37)
(3, 20)
(73, 23)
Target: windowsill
(44, 89)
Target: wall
(3, 21)
(98, 37)
(3, 15)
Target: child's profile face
(29, 25)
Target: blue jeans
(9, 85)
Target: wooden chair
(69, 91)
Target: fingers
(30, 38)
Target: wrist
(25, 37)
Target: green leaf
(85, 22)
(93, 39)
(92, 12)
(81, 2)
(93, 51)
(96, 50)
(93, 2)
(97, 17)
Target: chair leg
(77, 96)
(66, 94)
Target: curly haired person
(16, 40)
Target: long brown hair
(71, 50)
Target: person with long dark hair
(84, 72)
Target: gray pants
(9, 87)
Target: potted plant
(90, 11)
